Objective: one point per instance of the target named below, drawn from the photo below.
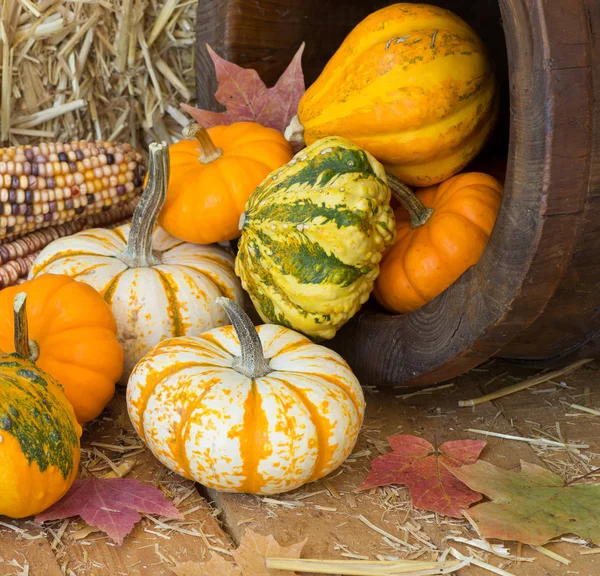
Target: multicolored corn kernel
(54, 183)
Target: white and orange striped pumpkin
(157, 286)
(240, 409)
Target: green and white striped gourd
(313, 235)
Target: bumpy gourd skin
(413, 85)
(312, 237)
(39, 439)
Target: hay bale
(101, 69)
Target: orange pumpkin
(212, 177)
(440, 233)
(72, 336)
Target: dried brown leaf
(246, 97)
(254, 549)
(216, 565)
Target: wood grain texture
(37, 555)
(568, 326)
(540, 264)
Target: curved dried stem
(139, 253)
(417, 212)
(23, 346)
(208, 150)
(252, 361)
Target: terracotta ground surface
(329, 513)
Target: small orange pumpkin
(440, 233)
(212, 177)
(72, 335)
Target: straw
(80, 69)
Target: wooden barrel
(535, 294)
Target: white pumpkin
(240, 409)
(157, 286)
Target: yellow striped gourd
(413, 84)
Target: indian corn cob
(17, 256)
(50, 184)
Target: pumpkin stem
(208, 150)
(417, 212)
(23, 346)
(252, 362)
(139, 252)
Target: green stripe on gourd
(307, 261)
(312, 237)
(329, 164)
(29, 412)
(303, 211)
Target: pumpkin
(244, 409)
(212, 177)
(72, 336)
(156, 286)
(440, 233)
(312, 237)
(413, 85)
(39, 433)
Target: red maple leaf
(111, 504)
(423, 468)
(247, 98)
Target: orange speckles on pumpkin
(229, 332)
(265, 436)
(236, 431)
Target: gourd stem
(208, 150)
(252, 361)
(417, 212)
(23, 346)
(139, 252)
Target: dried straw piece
(528, 383)
(552, 555)
(585, 409)
(534, 441)
(489, 567)
(365, 567)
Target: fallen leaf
(247, 98)
(112, 505)
(215, 566)
(250, 558)
(254, 549)
(531, 506)
(424, 469)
